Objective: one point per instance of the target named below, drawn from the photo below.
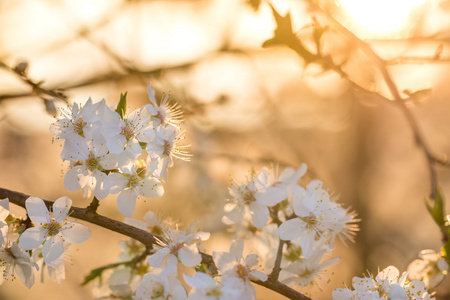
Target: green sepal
(93, 275)
(436, 209)
(122, 106)
(143, 145)
(446, 250)
(99, 271)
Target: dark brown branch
(86, 214)
(282, 289)
(276, 268)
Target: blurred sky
(245, 106)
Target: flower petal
(189, 256)
(61, 209)
(157, 259)
(32, 238)
(126, 202)
(75, 232)
(291, 229)
(115, 183)
(151, 188)
(260, 214)
(76, 178)
(37, 211)
(270, 196)
(4, 209)
(53, 252)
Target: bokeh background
(245, 106)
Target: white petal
(189, 256)
(115, 183)
(258, 275)
(126, 202)
(76, 178)
(157, 259)
(151, 95)
(116, 143)
(126, 161)
(200, 280)
(53, 252)
(179, 293)
(4, 209)
(57, 274)
(61, 209)
(109, 161)
(251, 260)
(260, 214)
(25, 272)
(97, 181)
(291, 229)
(37, 211)
(270, 196)
(171, 265)
(151, 188)
(236, 248)
(75, 232)
(32, 238)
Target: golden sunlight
(379, 17)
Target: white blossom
(387, 284)
(306, 271)
(89, 159)
(14, 261)
(431, 268)
(180, 247)
(134, 180)
(158, 287)
(205, 287)
(258, 194)
(52, 231)
(164, 113)
(233, 266)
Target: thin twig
(383, 67)
(37, 90)
(277, 265)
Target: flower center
(175, 248)
(167, 148)
(79, 125)
(214, 292)
(92, 162)
(248, 196)
(242, 271)
(53, 227)
(158, 291)
(128, 131)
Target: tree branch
(383, 68)
(148, 239)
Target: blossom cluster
(157, 277)
(112, 152)
(270, 208)
(387, 284)
(259, 211)
(47, 239)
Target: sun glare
(379, 17)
